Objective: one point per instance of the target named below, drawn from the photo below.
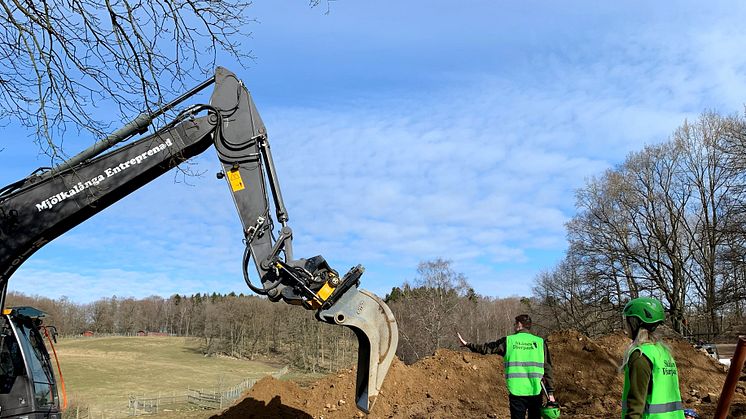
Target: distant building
(142, 333)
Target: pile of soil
(462, 384)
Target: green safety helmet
(648, 310)
(550, 410)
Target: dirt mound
(586, 377)
(461, 384)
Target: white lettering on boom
(96, 180)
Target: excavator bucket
(377, 335)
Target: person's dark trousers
(519, 405)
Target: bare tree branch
(60, 65)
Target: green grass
(101, 372)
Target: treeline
(668, 222)
(234, 325)
(430, 310)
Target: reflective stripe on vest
(524, 364)
(659, 408)
(524, 375)
(664, 399)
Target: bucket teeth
(377, 334)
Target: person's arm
(496, 347)
(640, 372)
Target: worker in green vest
(651, 379)
(527, 364)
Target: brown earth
(460, 384)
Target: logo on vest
(525, 345)
(669, 368)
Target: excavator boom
(43, 206)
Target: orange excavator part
(59, 370)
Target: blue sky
(407, 131)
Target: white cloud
(481, 169)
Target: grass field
(101, 372)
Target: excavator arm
(45, 205)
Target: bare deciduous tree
(427, 310)
(715, 200)
(601, 236)
(669, 222)
(574, 296)
(59, 62)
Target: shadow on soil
(252, 408)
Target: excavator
(52, 200)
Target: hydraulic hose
(260, 291)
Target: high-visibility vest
(664, 399)
(524, 364)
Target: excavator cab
(28, 388)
